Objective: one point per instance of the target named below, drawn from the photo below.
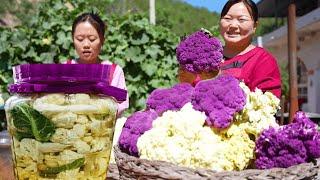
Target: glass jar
(61, 119)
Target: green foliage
(44, 38)
(146, 52)
(52, 172)
(180, 17)
(29, 123)
(266, 25)
(22, 9)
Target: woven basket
(113, 172)
(131, 167)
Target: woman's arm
(118, 80)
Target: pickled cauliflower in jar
(61, 136)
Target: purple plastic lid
(65, 78)
(52, 73)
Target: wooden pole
(282, 104)
(152, 12)
(276, 12)
(292, 54)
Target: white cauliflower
(100, 143)
(68, 156)
(64, 136)
(99, 128)
(65, 157)
(24, 173)
(79, 98)
(105, 105)
(82, 119)
(180, 137)
(72, 137)
(87, 139)
(71, 174)
(64, 120)
(28, 148)
(95, 166)
(80, 130)
(81, 146)
(240, 148)
(52, 147)
(27, 157)
(76, 103)
(259, 111)
(52, 98)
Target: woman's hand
(193, 78)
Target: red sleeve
(267, 75)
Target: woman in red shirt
(254, 65)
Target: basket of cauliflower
(214, 127)
(217, 129)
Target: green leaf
(136, 78)
(31, 53)
(154, 51)
(58, 6)
(133, 53)
(22, 44)
(3, 46)
(46, 25)
(62, 38)
(3, 78)
(120, 61)
(141, 102)
(149, 68)
(46, 57)
(156, 83)
(53, 171)
(143, 40)
(29, 123)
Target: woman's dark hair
(94, 19)
(251, 6)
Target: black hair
(94, 19)
(251, 6)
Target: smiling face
(237, 26)
(87, 43)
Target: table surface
(6, 169)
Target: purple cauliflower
(134, 127)
(275, 149)
(220, 99)
(288, 145)
(199, 52)
(173, 98)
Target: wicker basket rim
(133, 167)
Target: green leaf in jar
(53, 171)
(30, 123)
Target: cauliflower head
(180, 137)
